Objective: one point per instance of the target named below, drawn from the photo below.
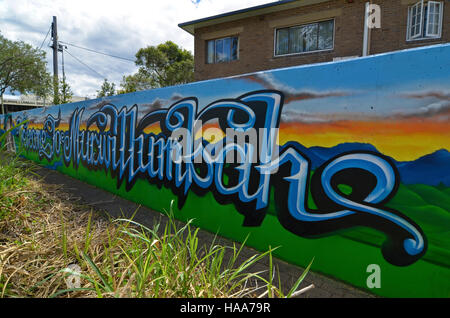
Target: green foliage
(65, 92)
(118, 259)
(13, 179)
(4, 135)
(107, 89)
(22, 68)
(135, 82)
(163, 65)
(167, 261)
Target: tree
(22, 69)
(65, 92)
(135, 82)
(107, 89)
(165, 65)
(45, 90)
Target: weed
(43, 231)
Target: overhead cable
(45, 37)
(94, 51)
(81, 62)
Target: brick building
(295, 32)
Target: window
(425, 20)
(305, 38)
(222, 50)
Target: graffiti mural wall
(347, 162)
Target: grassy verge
(53, 247)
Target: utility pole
(55, 62)
(64, 97)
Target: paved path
(102, 200)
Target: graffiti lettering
(178, 157)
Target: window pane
(226, 49)
(234, 48)
(413, 20)
(326, 35)
(419, 12)
(219, 51)
(310, 32)
(433, 7)
(210, 52)
(436, 29)
(305, 38)
(425, 20)
(295, 40)
(282, 42)
(416, 20)
(433, 19)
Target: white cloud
(115, 27)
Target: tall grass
(166, 260)
(43, 231)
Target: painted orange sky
(403, 140)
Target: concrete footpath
(115, 206)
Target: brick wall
(256, 36)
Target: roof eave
(190, 26)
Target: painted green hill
(432, 195)
(428, 207)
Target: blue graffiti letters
(243, 165)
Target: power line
(45, 37)
(103, 77)
(94, 51)
(62, 60)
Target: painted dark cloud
(268, 81)
(158, 103)
(293, 116)
(429, 94)
(435, 104)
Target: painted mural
(347, 162)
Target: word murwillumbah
(242, 168)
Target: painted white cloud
(115, 27)
(430, 103)
(436, 108)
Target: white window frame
(417, 6)
(219, 39)
(301, 53)
(428, 32)
(424, 31)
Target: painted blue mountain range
(432, 169)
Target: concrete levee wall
(347, 162)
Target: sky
(117, 28)
(400, 110)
